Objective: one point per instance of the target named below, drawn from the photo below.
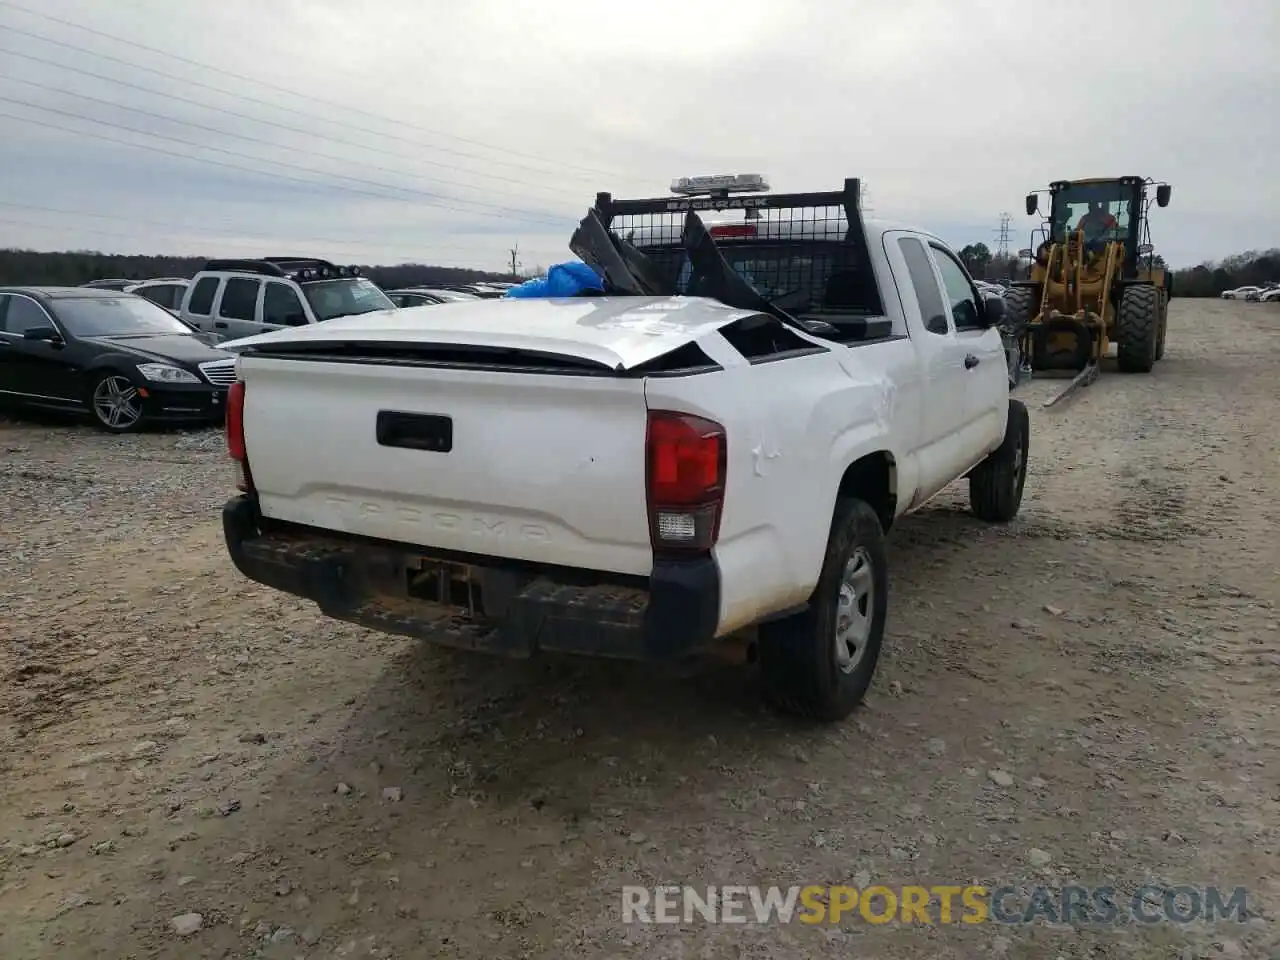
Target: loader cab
(1110, 209)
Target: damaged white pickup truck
(718, 441)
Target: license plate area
(444, 582)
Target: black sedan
(121, 358)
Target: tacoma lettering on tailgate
(476, 525)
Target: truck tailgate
(535, 467)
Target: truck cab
(232, 299)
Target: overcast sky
(419, 130)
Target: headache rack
(805, 252)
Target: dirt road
(1085, 697)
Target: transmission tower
(1005, 221)
(515, 260)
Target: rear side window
(22, 314)
(202, 296)
(925, 284)
(164, 295)
(239, 299)
(281, 305)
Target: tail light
(684, 479)
(734, 230)
(235, 436)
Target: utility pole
(515, 260)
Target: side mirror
(42, 333)
(1033, 204)
(1162, 195)
(1145, 248)
(1025, 253)
(992, 309)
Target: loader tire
(1019, 308)
(1164, 324)
(1138, 329)
(996, 484)
(818, 664)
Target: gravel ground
(1086, 696)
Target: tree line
(74, 267)
(1253, 267)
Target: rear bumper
(504, 607)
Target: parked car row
(1267, 293)
(130, 352)
(428, 296)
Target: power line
(311, 134)
(235, 235)
(107, 233)
(280, 163)
(243, 136)
(257, 82)
(218, 163)
(402, 260)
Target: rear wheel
(819, 663)
(115, 403)
(1138, 328)
(996, 484)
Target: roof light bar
(325, 273)
(721, 183)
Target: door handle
(219, 325)
(970, 361)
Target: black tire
(996, 484)
(1164, 325)
(1019, 307)
(799, 665)
(1138, 329)
(100, 393)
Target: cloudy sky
(425, 131)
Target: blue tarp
(562, 280)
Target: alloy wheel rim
(116, 403)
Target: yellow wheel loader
(1094, 280)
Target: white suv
(230, 299)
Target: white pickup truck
(641, 474)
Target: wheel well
(873, 478)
